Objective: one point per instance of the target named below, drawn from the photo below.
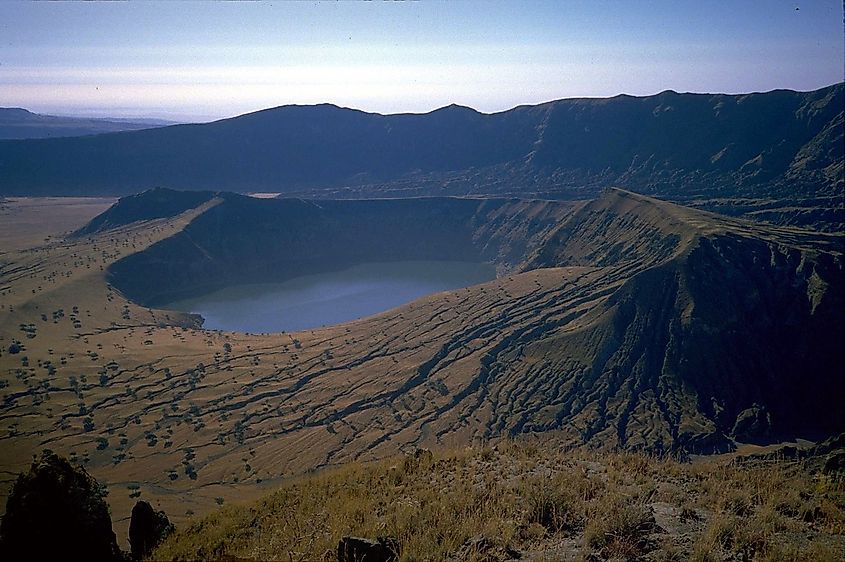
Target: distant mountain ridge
(17, 123)
(776, 155)
(669, 142)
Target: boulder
(417, 459)
(835, 464)
(356, 549)
(147, 529)
(57, 511)
(752, 425)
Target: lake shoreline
(332, 298)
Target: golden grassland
(32, 221)
(178, 416)
(545, 503)
(91, 363)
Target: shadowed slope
(247, 240)
(153, 204)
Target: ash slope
(634, 323)
(782, 144)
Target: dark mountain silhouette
(18, 123)
(152, 204)
(776, 145)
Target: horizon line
(101, 114)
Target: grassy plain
(32, 221)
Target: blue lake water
(330, 298)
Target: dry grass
(33, 221)
(187, 416)
(550, 505)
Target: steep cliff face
(759, 341)
(733, 339)
(690, 140)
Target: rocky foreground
(531, 501)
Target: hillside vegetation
(531, 501)
(637, 301)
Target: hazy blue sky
(200, 61)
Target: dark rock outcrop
(355, 549)
(147, 529)
(57, 511)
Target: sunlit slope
(528, 500)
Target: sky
(203, 61)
